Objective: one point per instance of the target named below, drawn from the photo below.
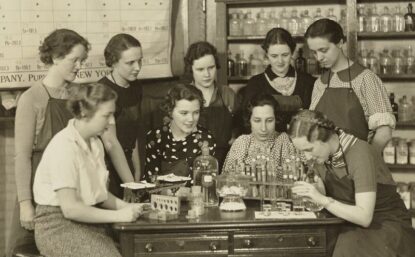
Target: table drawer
(280, 241)
(191, 244)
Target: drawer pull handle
(248, 243)
(213, 246)
(280, 239)
(312, 241)
(149, 247)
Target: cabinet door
(295, 242)
(180, 244)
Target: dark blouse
(161, 146)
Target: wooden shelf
(257, 39)
(243, 79)
(279, 2)
(397, 78)
(379, 1)
(402, 167)
(386, 35)
(405, 125)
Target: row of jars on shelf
(399, 151)
(370, 21)
(404, 110)
(389, 62)
(238, 66)
(244, 24)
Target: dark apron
(288, 106)
(389, 234)
(128, 129)
(56, 119)
(219, 121)
(342, 106)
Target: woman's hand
(131, 212)
(27, 214)
(308, 190)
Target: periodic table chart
(25, 23)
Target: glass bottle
(404, 112)
(255, 64)
(249, 25)
(261, 23)
(412, 161)
(385, 63)
(398, 67)
(394, 105)
(361, 18)
(284, 19)
(305, 22)
(293, 23)
(343, 20)
(331, 15)
(318, 15)
(273, 21)
(205, 170)
(300, 61)
(373, 63)
(234, 26)
(389, 153)
(409, 19)
(398, 21)
(231, 65)
(373, 20)
(385, 20)
(312, 178)
(363, 60)
(241, 17)
(312, 64)
(241, 65)
(410, 61)
(402, 152)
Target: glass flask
(273, 21)
(385, 63)
(398, 67)
(373, 24)
(385, 20)
(361, 18)
(293, 23)
(398, 21)
(232, 187)
(261, 23)
(234, 26)
(409, 19)
(312, 178)
(248, 25)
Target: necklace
(115, 82)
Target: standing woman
(70, 185)
(291, 88)
(352, 96)
(173, 147)
(220, 103)
(123, 54)
(40, 114)
(359, 187)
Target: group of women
(72, 135)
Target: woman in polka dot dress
(173, 147)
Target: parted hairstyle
(84, 99)
(118, 44)
(180, 92)
(278, 36)
(198, 50)
(261, 99)
(59, 43)
(314, 125)
(325, 28)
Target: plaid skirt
(57, 236)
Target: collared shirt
(68, 162)
(369, 90)
(346, 141)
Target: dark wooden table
(219, 233)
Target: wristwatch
(329, 201)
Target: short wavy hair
(278, 36)
(84, 99)
(261, 99)
(196, 51)
(325, 28)
(59, 43)
(180, 92)
(118, 44)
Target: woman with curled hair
(260, 117)
(173, 147)
(359, 188)
(220, 105)
(70, 185)
(40, 114)
(123, 54)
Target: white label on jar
(207, 178)
(389, 155)
(402, 157)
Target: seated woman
(359, 187)
(173, 147)
(260, 118)
(70, 186)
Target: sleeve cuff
(381, 119)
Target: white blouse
(68, 162)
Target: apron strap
(47, 92)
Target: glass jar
(389, 153)
(402, 152)
(412, 153)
